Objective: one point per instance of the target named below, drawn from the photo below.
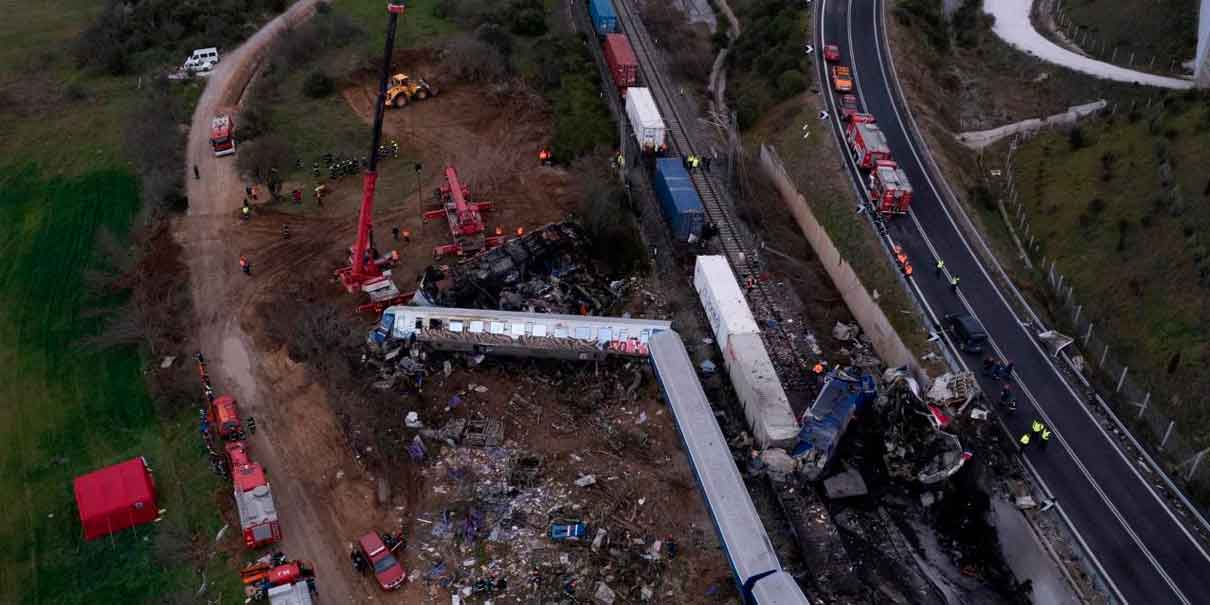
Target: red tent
(116, 497)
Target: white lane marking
(995, 288)
(879, 14)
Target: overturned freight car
(756, 383)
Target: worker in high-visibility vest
(244, 265)
(954, 284)
(1036, 426)
(1045, 438)
(940, 267)
(1024, 440)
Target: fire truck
(890, 191)
(222, 135)
(253, 498)
(867, 143)
(223, 415)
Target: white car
(202, 60)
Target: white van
(202, 59)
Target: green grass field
(64, 175)
(1165, 29)
(70, 410)
(1134, 249)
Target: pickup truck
(842, 80)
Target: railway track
(783, 348)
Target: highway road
(1147, 556)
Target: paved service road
(1148, 557)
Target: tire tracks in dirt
(213, 240)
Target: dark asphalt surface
(1147, 555)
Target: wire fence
(1102, 48)
(1127, 392)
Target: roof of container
(644, 105)
(893, 177)
(604, 8)
(622, 52)
(114, 489)
(726, 293)
(255, 506)
(873, 136)
(290, 594)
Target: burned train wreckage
(537, 272)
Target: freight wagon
(679, 201)
(623, 66)
(751, 371)
(604, 18)
(645, 121)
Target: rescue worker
(1045, 438)
(954, 284)
(244, 265)
(520, 231)
(407, 236)
(940, 267)
(315, 169)
(1007, 369)
(1037, 427)
(1024, 440)
(1006, 394)
(395, 232)
(297, 195)
(285, 231)
(707, 161)
(989, 365)
(499, 231)
(196, 174)
(818, 369)
(246, 211)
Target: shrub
(1075, 138)
(258, 158)
(790, 83)
(529, 22)
(469, 58)
(1096, 206)
(318, 85)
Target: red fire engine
(890, 191)
(866, 141)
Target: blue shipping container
(678, 199)
(604, 19)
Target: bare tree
(471, 59)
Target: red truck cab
(387, 570)
(848, 107)
(224, 416)
(222, 135)
(831, 53)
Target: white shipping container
(645, 118)
(760, 392)
(724, 302)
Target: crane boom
(363, 269)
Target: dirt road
(212, 238)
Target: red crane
(465, 218)
(364, 271)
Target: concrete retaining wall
(868, 314)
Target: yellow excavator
(403, 89)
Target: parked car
(568, 530)
(387, 570)
(968, 334)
